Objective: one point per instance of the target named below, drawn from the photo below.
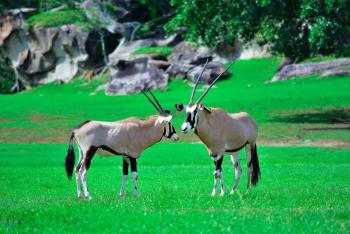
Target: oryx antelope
(222, 133)
(126, 138)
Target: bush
(161, 50)
(57, 18)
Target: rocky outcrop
(43, 55)
(299, 70)
(188, 60)
(134, 75)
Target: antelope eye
(179, 106)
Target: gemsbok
(127, 138)
(222, 132)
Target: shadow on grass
(333, 116)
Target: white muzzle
(186, 127)
(175, 137)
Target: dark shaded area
(332, 116)
(94, 47)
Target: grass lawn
(302, 190)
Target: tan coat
(126, 137)
(222, 132)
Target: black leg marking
(125, 167)
(133, 164)
(218, 164)
(89, 155)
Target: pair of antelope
(219, 131)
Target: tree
(295, 28)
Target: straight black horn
(155, 99)
(197, 81)
(150, 100)
(212, 84)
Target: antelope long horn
(160, 106)
(212, 84)
(197, 81)
(150, 100)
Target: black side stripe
(237, 149)
(106, 148)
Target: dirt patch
(319, 143)
(6, 120)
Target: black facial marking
(171, 131)
(191, 118)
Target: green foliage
(161, 50)
(57, 18)
(7, 76)
(295, 28)
(213, 21)
(45, 5)
(157, 7)
(328, 21)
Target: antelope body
(127, 138)
(222, 133)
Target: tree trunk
(104, 52)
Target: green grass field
(303, 188)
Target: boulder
(134, 75)
(188, 61)
(212, 70)
(178, 70)
(43, 55)
(301, 70)
(181, 49)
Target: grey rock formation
(134, 75)
(188, 60)
(212, 70)
(300, 70)
(41, 55)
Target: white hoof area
(222, 193)
(232, 192)
(213, 193)
(88, 198)
(122, 194)
(137, 194)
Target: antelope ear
(179, 106)
(163, 119)
(201, 107)
(168, 118)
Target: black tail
(256, 168)
(70, 158)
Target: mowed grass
(302, 190)
(292, 111)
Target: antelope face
(191, 116)
(169, 130)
